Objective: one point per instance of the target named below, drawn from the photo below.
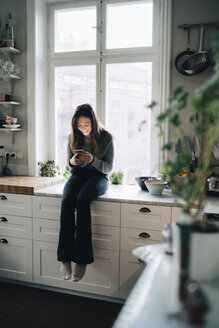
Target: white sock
(79, 271)
(66, 270)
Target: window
(109, 54)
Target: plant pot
(203, 256)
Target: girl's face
(84, 125)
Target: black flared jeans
(75, 237)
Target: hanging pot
(199, 61)
(182, 56)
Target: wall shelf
(9, 103)
(9, 50)
(9, 77)
(9, 130)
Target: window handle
(3, 219)
(144, 210)
(144, 235)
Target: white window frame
(161, 66)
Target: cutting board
(26, 185)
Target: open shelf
(9, 103)
(9, 50)
(9, 77)
(9, 130)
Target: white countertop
(133, 194)
(153, 302)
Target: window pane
(73, 29)
(128, 92)
(74, 85)
(129, 24)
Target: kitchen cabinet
(16, 237)
(102, 276)
(141, 225)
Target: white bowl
(155, 187)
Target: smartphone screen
(77, 151)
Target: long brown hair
(77, 137)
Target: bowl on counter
(155, 187)
(141, 182)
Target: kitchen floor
(25, 307)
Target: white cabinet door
(16, 226)
(130, 270)
(145, 216)
(133, 238)
(102, 276)
(102, 236)
(12, 204)
(47, 207)
(16, 258)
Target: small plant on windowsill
(49, 169)
(116, 177)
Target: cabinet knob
(3, 197)
(144, 235)
(3, 219)
(3, 241)
(144, 210)
(140, 260)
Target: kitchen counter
(154, 301)
(26, 185)
(132, 194)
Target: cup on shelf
(10, 120)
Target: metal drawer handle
(3, 197)
(3, 219)
(3, 241)
(144, 210)
(144, 235)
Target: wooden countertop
(26, 185)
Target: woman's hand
(86, 157)
(81, 158)
(76, 160)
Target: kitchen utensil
(11, 126)
(216, 151)
(141, 182)
(178, 148)
(181, 57)
(155, 187)
(199, 61)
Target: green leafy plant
(205, 120)
(66, 175)
(49, 169)
(116, 177)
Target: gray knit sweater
(103, 159)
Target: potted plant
(196, 254)
(49, 169)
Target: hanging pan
(182, 56)
(198, 62)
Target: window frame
(161, 47)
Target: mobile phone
(78, 151)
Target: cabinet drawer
(16, 226)
(102, 236)
(104, 213)
(145, 216)
(130, 270)
(16, 259)
(15, 204)
(47, 207)
(102, 276)
(132, 238)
